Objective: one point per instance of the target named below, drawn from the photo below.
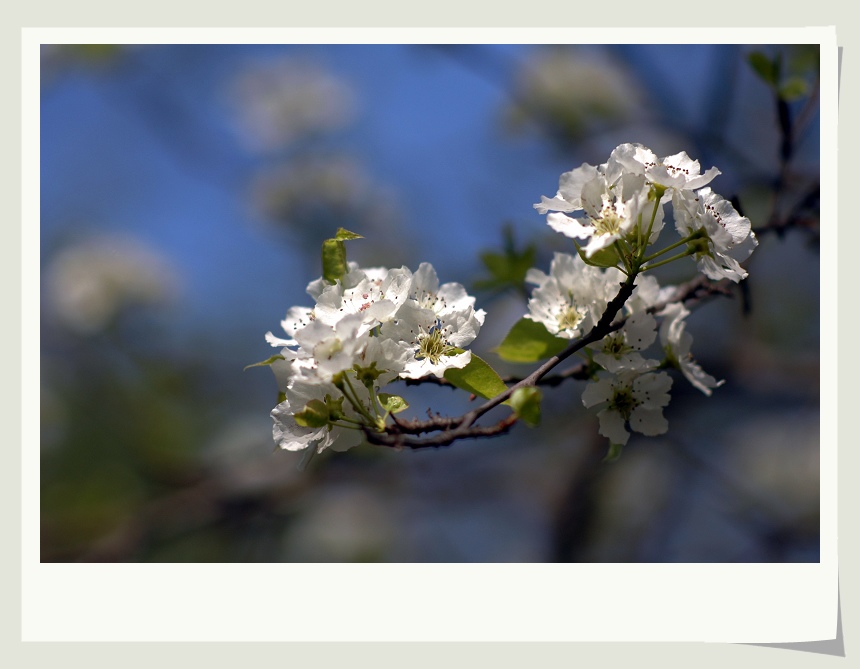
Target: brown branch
(451, 430)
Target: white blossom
(332, 349)
(571, 298)
(619, 351)
(375, 296)
(678, 171)
(291, 436)
(630, 398)
(569, 195)
(612, 211)
(676, 342)
(436, 341)
(728, 236)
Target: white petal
(597, 392)
(555, 204)
(612, 427)
(650, 422)
(569, 227)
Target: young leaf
(526, 405)
(265, 363)
(614, 453)
(793, 89)
(334, 255)
(508, 268)
(529, 341)
(477, 377)
(607, 257)
(343, 235)
(315, 414)
(333, 260)
(764, 67)
(392, 403)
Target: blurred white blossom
(284, 100)
(89, 284)
(573, 91)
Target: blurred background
(185, 191)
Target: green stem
(353, 399)
(689, 252)
(377, 405)
(350, 420)
(650, 227)
(685, 240)
(347, 426)
(622, 255)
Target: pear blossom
(612, 211)
(569, 195)
(435, 341)
(629, 398)
(427, 292)
(727, 239)
(676, 342)
(296, 319)
(677, 172)
(619, 351)
(332, 349)
(291, 435)
(570, 299)
(375, 296)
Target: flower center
(615, 346)
(609, 222)
(432, 346)
(569, 317)
(328, 348)
(623, 402)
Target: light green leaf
(766, 68)
(343, 235)
(334, 255)
(265, 363)
(526, 405)
(793, 89)
(529, 341)
(614, 453)
(333, 260)
(315, 414)
(508, 268)
(607, 257)
(478, 378)
(392, 403)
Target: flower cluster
(365, 330)
(620, 203)
(616, 210)
(370, 326)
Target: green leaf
(333, 260)
(334, 255)
(508, 268)
(392, 403)
(793, 89)
(315, 414)
(766, 68)
(607, 257)
(478, 378)
(529, 341)
(526, 405)
(265, 363)
(803, 59)
(614, 453)
(343, 235)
